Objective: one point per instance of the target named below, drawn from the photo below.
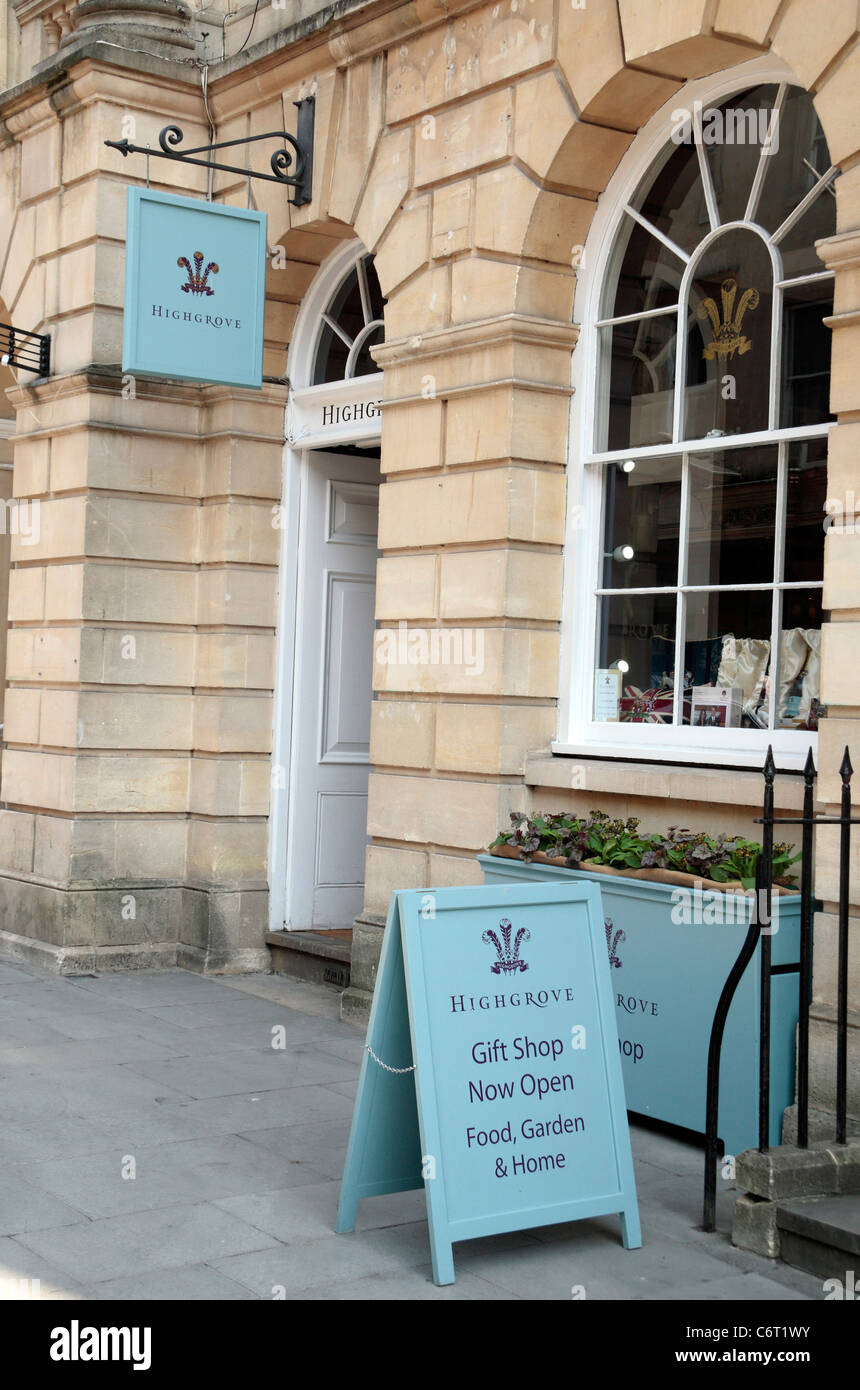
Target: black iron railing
(29, 351)
(761, 919)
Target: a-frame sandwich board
(491, 1073)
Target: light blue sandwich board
(491, 1074)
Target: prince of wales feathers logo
(613, 942)
(508, 962)
(197, 282)
(728, 338)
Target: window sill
(596, 771)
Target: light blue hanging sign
(194, 290)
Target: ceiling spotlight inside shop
(627, 466)
(620, 665)
(5, 359)
(623, 552)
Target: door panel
(333, 695)
(353, 513)
(348, 668)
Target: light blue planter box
(667, 979)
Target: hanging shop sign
(492, 1073)
(194, 290)
(337, 412)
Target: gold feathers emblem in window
(728, 338)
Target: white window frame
(579, 734)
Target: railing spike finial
(809, 767)
(846, 769)
(769, 765)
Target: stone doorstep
(319, 957)
(832, 1221)
(821, 1235)
(802, 1205)
(822, 1170)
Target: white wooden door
(333, 690)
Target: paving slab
(63, 1053)
(19, 1267)
(418, 1288)
(24, 1207)
(291, 1216)
(323, 1264)
(231, 1007)
(96, 1251)
(194, 1283)
(114, 1182)
(235, 1073)
(64, 1136)
(323, 1145)
(147, 989)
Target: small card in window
(607, 695)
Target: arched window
(351, 325)
(705, 437)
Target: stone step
(822, 1236)
(319, 957)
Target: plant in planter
(595, 839)
(599, 841)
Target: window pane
(727, 647)
(806, 494)
(732, 135)
(345, 310)
(799, 156)
(643, 508)
(675, 202)
(650, 275)
(732, 514)
(639, 629)
(806, 343)
(364, 363)
(729, 321)
(642, 380)
(799, 660)
(797, 247)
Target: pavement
(155, 1145)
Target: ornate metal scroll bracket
(300, 153)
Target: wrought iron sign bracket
(30, 352)
(302, 145)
